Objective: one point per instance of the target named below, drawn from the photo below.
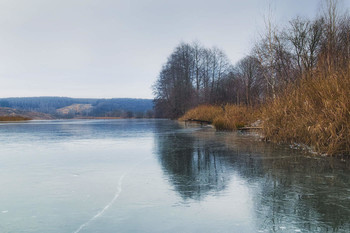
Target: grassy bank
(315, 112)
(228, 117)
(14, 118)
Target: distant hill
(10, 112)
(75, 109)
(65, 107)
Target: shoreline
(14, 118)
(238, 118)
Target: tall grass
(315, 113)
(204, 113)
(235, 117)
(228, 117)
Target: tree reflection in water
(291, 189)
(191, 164)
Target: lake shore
(13, 118)
(319, 126)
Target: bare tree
(249, 71)
(265, 52)
(192, 75)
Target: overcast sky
(115, 48)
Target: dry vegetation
(228, 117)
(204, 113)
(316, 113)
(297, 75)
(14, 118)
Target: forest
(118, 107)
(295, 80)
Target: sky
(115, 48)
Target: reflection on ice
(291, 189)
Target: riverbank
(226, 117)
(315, 113)
(14, 118)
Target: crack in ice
(119, 190)
(117, 193)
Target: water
(162, 176)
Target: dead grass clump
(316, 113)
(229, 117)
(204, 113)
(235, 117)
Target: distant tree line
(118, 107)
(40, 104)
(126, 108)
(195, 75)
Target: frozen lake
(161, 176)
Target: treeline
(125, 108)
(118, 107)
(40, 104)
(194, 75)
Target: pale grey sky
(106, 48)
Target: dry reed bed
(316, 113)
(228, 117)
